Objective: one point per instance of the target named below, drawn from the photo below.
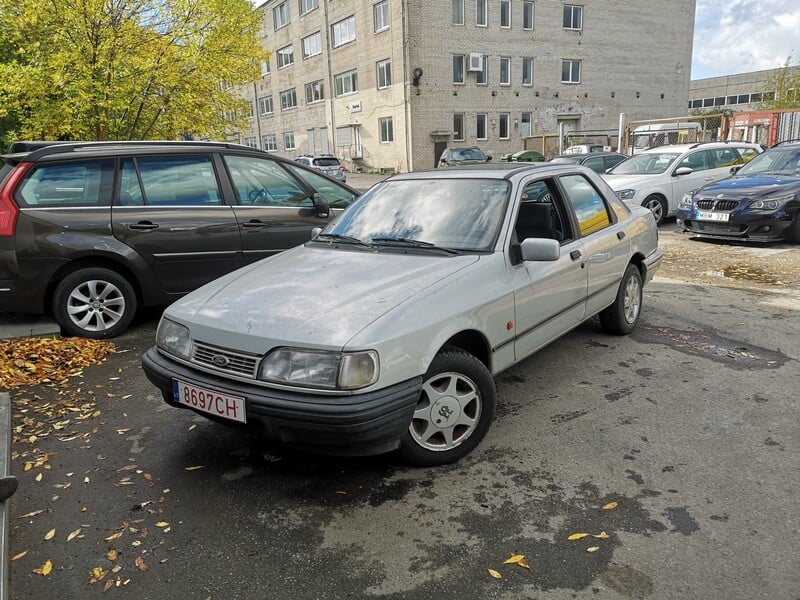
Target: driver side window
(265, 183)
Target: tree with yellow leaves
(125, 69)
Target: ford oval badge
(219, 360)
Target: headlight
(174, 339)
(330, 370)
(686, 202)
(626, 194)
(771, 203)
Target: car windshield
(648, 163)
(468, 154)
(460, 214)
(326, 162)
(776, 161)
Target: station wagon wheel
(454, 410)
(94, 303)
(657, 206)
(622, 316)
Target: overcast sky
(738, 36)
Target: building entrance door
(438, 150)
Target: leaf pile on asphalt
(33, 361)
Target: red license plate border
(216, 396)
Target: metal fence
(641, 135)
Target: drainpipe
(257, 112)
(406, 99)
(331, 89)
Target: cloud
(739, 36)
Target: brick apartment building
(388, 84)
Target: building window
(505, 14)
(573, 16)
(288, 140)
(527, 71)
(504, 132)
(269, 142)
(527, 15)
(265, 70)
(380, 15)
(344, 31)
(288, 99)
(481, 12)
(482, 77)
(250, 142)
(346, 83)
(480, 126)
(384, 73)
(458, 127)
(387, 129)
(312, 45)
(250, 109)
(280, 15)
(285, 57)
(525, 125)
(458, 12)
(505, 70)
(265, 105)
(308, 6)
(458, 68)
(570, 71)
(315, 91)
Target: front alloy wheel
(656, 206)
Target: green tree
(782, 90)
(125, 69)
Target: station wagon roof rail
(39, 150)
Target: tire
(621, 317)
(457, 389)
(657, 206)
(94, 303)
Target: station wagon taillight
(8, 208)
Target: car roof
(707, 145)
(36, 150)
(487, 171)
(581, 155)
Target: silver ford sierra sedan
(383, 333)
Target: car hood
(309, 296)
(626, 182)
(754, 186)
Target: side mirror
(315, 232)
(682, 171)
(321, 206)
(735, 169)
(541, 249)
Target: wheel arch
(472, 342)
(90, 262)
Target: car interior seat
(535, 220)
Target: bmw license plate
(209, 401)
(712, 216)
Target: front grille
(704, 226)
(227, 361)
(711, 204)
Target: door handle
(575, 254)
(143, 226)
(620, 235)
(254, 224)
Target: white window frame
(505, 4)
(386, 130)
(458, 136)
(527, 70)
(306, 6)
(570, 12)
(250, 142)
(483, 74)
(343, 32)
(288, 141)
(383, 71)
(504, 122)
(311, 45)
(265, 68)
(380, 16)
(316, 91)
(266, 105)
(286, 95)
(481, 13)
(478, 118)
(340, 79)
(505, 63)
(463, 60)
(281, 15)
(528, 14)
(526, 119)
(458, 12)
(285, 57)
(269, 141)
(572, 62)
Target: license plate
(712, 216)
(209, 401)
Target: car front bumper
(356, 424)
(743, 227)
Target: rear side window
(169, 181)
(73, 184)
(587, 202)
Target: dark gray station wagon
(90, 231)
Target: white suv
(658, 178)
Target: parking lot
(688, 425)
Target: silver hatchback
(327, 163)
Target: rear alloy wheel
(454, 411)
(622, 316)
(657, 206)
(94, 303)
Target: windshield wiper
(410, 243)
(339, 239)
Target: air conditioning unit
(475, 62)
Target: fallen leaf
(38, 477)
(50, 534)
(32, 514)
(191, 427)
(97, 574)
(113, 536)
(112, 554)
(109, 584)
(194, 468)
(20, 555)
(74, 534)
(494, 574)
(45, 569)
(577, 536)
(601, 536)
(162, 524)
(524, 564)
(514, 559)
(610, 506)
(593, 549)
(140, 564)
